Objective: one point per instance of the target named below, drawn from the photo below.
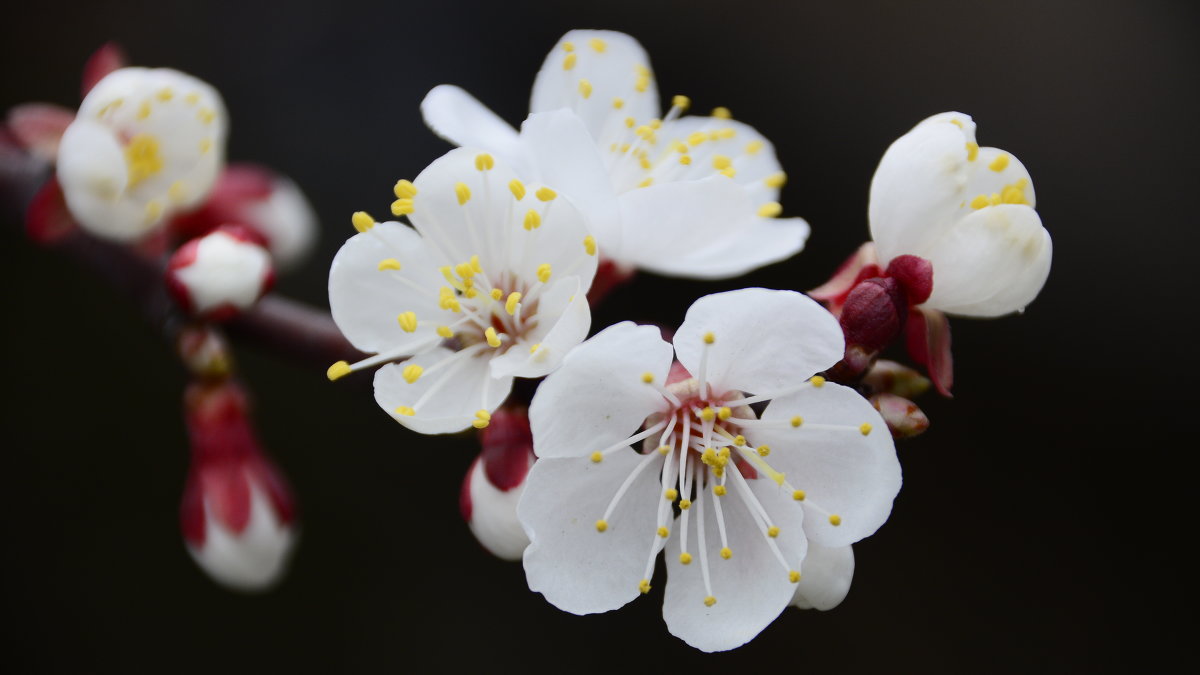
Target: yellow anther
(644, 131)
(338, 370)
(533, 220)
(1015, 193)
(724, 413)
(412, 373)
(493, 339)
(739, 440)
(642, 70)
(685, 558)
(681, 102)
(362, 221)
(708, 414)
(154, 209)
(142, 158)
(569, 61)
(726, 553)
(205, 145)
(817, 381)
(798, 495)
(589, 245)
(1000, 163)
(662, 531)
(629, 122)
(471, 292)
(980, 201)
(728, 172)
(143, 110)
(957, 123)
(972, 151)
(517, 188)
(794, 576)
(770, 210)
(465, 271)
(618, 103)
(585, 88)
(598, 44)
(510, 305)
(165, 94)
(710, 601)
(462, 192)
(644, 586)
(753, 147)
(642, 84)
(534, 347)
(597, 457)
(724, 453)
(685, 504)
(664, 449)
(685, 160)
(776, 180)
(496, 294)
(601, 525)
(647, 377)
(835, 520)
(568, 47)
(721, 162)
(192, 98)
(772, 531)
(445, 331)
(475, 266)
(797, 421)
(484, 161)
(647, 182)
(408, 321)
(865, 428)
(763, 450)
(405, 410)
(671, 494)
(719, 490)
(725, 133)
(389, 264)
(206, 115)
(543, 272)
(696, 138)
(404, 189)
(721, 112)
(645, 164)
(709, 338)
(625, 146)
(545, 194)
(482, 419)
(402, 207)
(177, 192)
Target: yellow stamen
(533, 220)
(696, 138)
(510, 305)
(497, 294)
(776, 180)
(517, 188)
(685, 504)
(389, 264)
(589, 244)
(569, 61)
(710, 601)
(662, 532)
(362, 221)
(724, 413)
(671, 494)
(585, 89)
(404, 189)
(709, 338)
(462, 192)
(618, 103)
(338, 371)
(445, 331)
(681, 102)
(797, 421)
(206, 115)
(972, 151)
(719, 491)
(865, 428)
(798, 495)
(646, 183)
(543, 272)
(597, 457)
(406, 411)
(685, 558)
(165, 94)
(601, 525)
(721, 112)
(545, 194)
(817, 381)
(143, 110)
(999, 164)
(835, 520)
(726, 553)
(598, 44)
(770, 210)
(707, 414)
(412, 373)
(534, 347)
(721, 162)
(772, 531)
(753, 147)
(794, 577)
(493, 339)
(568, 47)
(408, 321)
(764, 450)
(143, 158)
(402, 207)
(644, 586)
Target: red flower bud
(221, 274)
(874, 314)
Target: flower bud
(495, 481)
(237, 514)
(903, 417)
(889, 377)
(220, 274)
(874, 314)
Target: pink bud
(889, 377)
(220, 274)
(903, 417)
(495, 481)
(915, 275)
(237, 514)
(874, 313)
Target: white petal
(93, 175)
(763, 340)
(226, 271)
(494, 516)
(826, 577)
(612, 67)
(577, 568)
(461, 119)
(288, 221)
(841, 471)
(751, 155)
(558, 241)
(445, 398)
(993, 262)
(751, 588)
(563, 320)
(562, 154)
(597, 397)
(752, 243)
(367, 301)
(663, 222)
(253, 560)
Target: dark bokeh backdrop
(1039, 522)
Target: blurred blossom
(220, 274)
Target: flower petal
(493, 518)
(716, 144)
(579, 569)
(598, 396)
(562, 154)
(458, 117)
(763, 340)
(841, 471)
(993, 262)
(445, 398)
(563, 320)
(366, 301)
(588, 71)
(826, 577)
(558, 237)
(93, 176)
(754, 242)
(751, 587)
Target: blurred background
(1042, 517)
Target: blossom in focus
(495, 482)
(221, 274)
(489, 284)
(735, 497)
(237, 516)
(694, 196)
(145, 144)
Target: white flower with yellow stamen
(146, 143)
(682, 196)
(490, 285)
(968, 210)
(733, 496)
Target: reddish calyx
(507, 454)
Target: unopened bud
(889, 377)
(903, 417)
(874, 314)
(205, 352)
(221, 274)
(495, 481)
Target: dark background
(1041, 519)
